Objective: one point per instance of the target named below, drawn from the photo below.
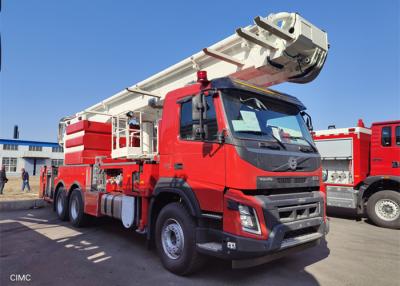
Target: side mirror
(200, 133)
(324, 175)
(199, 113)
(199, 107)
(221, 137)
(307, 119)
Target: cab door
(201, 162)
(385, 151)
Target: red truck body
(213, 179)
(360, 162)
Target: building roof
(28, 143)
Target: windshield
(253, 116)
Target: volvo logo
(292, 162)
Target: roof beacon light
(202, 77)
(360, 123)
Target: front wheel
(383, 208)
(175, 240)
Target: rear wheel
(383, 208)
(175, 240)
(77, 216)
(62, 204)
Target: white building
(31, 155)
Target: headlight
(249, 220)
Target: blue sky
(59, 57)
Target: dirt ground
(12, 190)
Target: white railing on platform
(132, 137)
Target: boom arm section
(282, 47)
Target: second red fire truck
(222, 167)
(361, 169)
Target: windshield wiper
(259, 104)
(263, 133)
(302, 138)
(277, 140)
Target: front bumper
(293, 225)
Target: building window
(398, 135)
(386, 136)
(57, 162)
(57, 149)
(187, 122)
(35, 148)
(10, 164)
(10, 147)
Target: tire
(383, 208)
(77, 216)
(176, 240)
(61, 204)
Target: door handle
(376, 159)
(178, 166)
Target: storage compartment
(91, 141)
(89, 126)
(86, 140)
(84, 157)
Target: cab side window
(386, 136)
(187, 122)
(398, 135)
(186, 125)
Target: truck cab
(385, 149)
(244, 156)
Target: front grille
(300, 180)
(288, 180)
(291, 208)
(284, 180)
(298, 212)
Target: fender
(373, 179)
(59, 183)
(367, 183)
(79, 188)
(180, 187)
(175, 186)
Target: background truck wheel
(77, 216)
(62, 204)
(383, 208)
(175, 240)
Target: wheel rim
(60, 205)
(387, 209)
(172, 239)
(74, 209)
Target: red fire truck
(361, 169)
(222, 167)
